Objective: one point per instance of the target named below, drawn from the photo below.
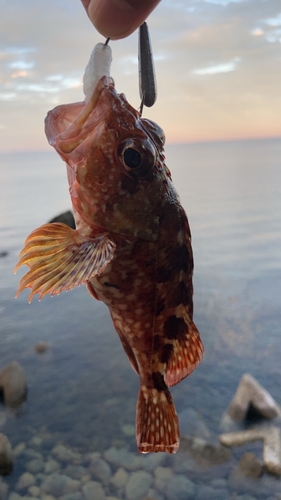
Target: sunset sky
(218, 66)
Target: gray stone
(14, 496)
(73, 496)
(4, 488)
(162, 476)
(13, 384)
(6, 455)
(65, 217)
(51, 466)
(207, 492)
(192, 424)
(65, 454)
(138, 485)
(250, 465)
(19, 449)
(75, 471)
(153, 495)
(151, 460)
(35, 465)
(41, 347)
(93, 491)
(59, 485)
(34, 491)
(219, 483)
(100, 469)
(120, 478)
(3, 418)
(123, 458)
(25, 480)
(180, 488)
(251, 392)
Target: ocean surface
(82, 392)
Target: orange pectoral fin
(59, 258)
(185, 354)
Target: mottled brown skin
(147, 284)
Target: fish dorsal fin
(60, 258)
(185, 353)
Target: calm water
(83, 391)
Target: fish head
(117, 175)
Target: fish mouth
(68, 125)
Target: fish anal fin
(60, 258)
(184, 354)
(157, 426)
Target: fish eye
(132, 158)
(137, 155)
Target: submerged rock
(13, 384)
(251, 393)
(138, 485)
(6, 456)
(66, 218)
(41, 347)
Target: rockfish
(131, 247)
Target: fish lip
(66, 125)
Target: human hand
(118, 18)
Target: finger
(118, 18)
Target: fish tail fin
(157, 426)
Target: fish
(131, 247)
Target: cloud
(217, 64)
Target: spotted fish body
(131, 246)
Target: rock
(162, 476)
(14, 496)
(250, 392)
(35, 465)
(32, 454)
(66, 217)
(47, 497)
(36, 441)
(6, 456)
(207, 492)
(179, 488)
(153, 495)
(100, 470)
(250, 465)
(271, 449)
(123, 458)
(192, 424)
(51, 466)
(19, 449)
(128, 430)
(4, 487)
(13, 384)
(41, 347)
(59, 485)
(138, 485)
(93, 491)
(3, 418)
(205, 453)
(64, 454)
(73, 496)
(120, 478)
(149, 461)
(76, 471)
(25, 480)
(34, 491)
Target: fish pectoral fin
(60, 258)
(157, 426)
(185, 354)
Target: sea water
(82, 392)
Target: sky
(218, 68)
